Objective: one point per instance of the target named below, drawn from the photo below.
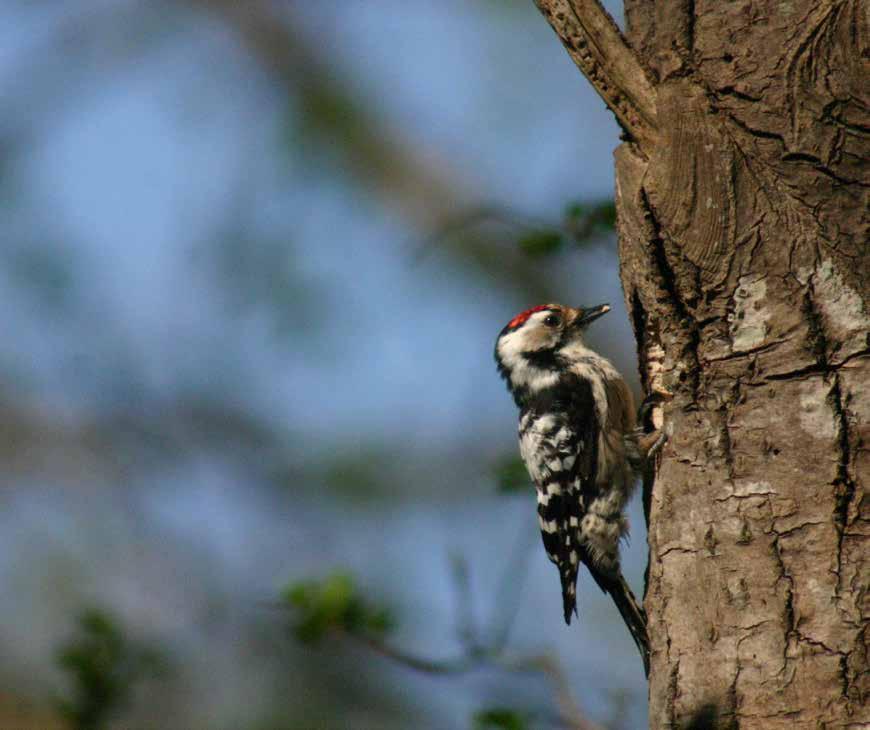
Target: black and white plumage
(577, 439)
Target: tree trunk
(743, 190)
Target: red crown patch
(523, 316)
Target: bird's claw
(652, 425)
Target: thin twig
(511, 589)
(466, 627)
(568, 706)
(570, 713)
(476, 216)
(479, 653)
(578, 229)
(456, 665)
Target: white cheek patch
(510, 347)
(527, 338)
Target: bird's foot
(653, 430)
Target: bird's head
(530, 349)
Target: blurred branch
(457, 665)
(581, 224)
(334, 607)
(36, 439)
(374, 153)
(473, 658)
(510, 589)
(466, 628)
(475, 216)
(568, 706)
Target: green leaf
(575, 211)
(380, 622)
(330, 604)
(103, 666)
(502, 718)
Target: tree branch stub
(600, 51)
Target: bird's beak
(588, 316)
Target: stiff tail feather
(568, 576)
(629, 609)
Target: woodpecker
(578, 440)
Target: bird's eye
(552, 320)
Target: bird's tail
(568, 576)
(629, 609)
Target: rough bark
(744, 243)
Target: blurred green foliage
(333, 604)
(511, 476)
(541, 242)
(363, 473)
(103, 666)
(587, 223)
(581, 224)
(500, 718)
(597, 218)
